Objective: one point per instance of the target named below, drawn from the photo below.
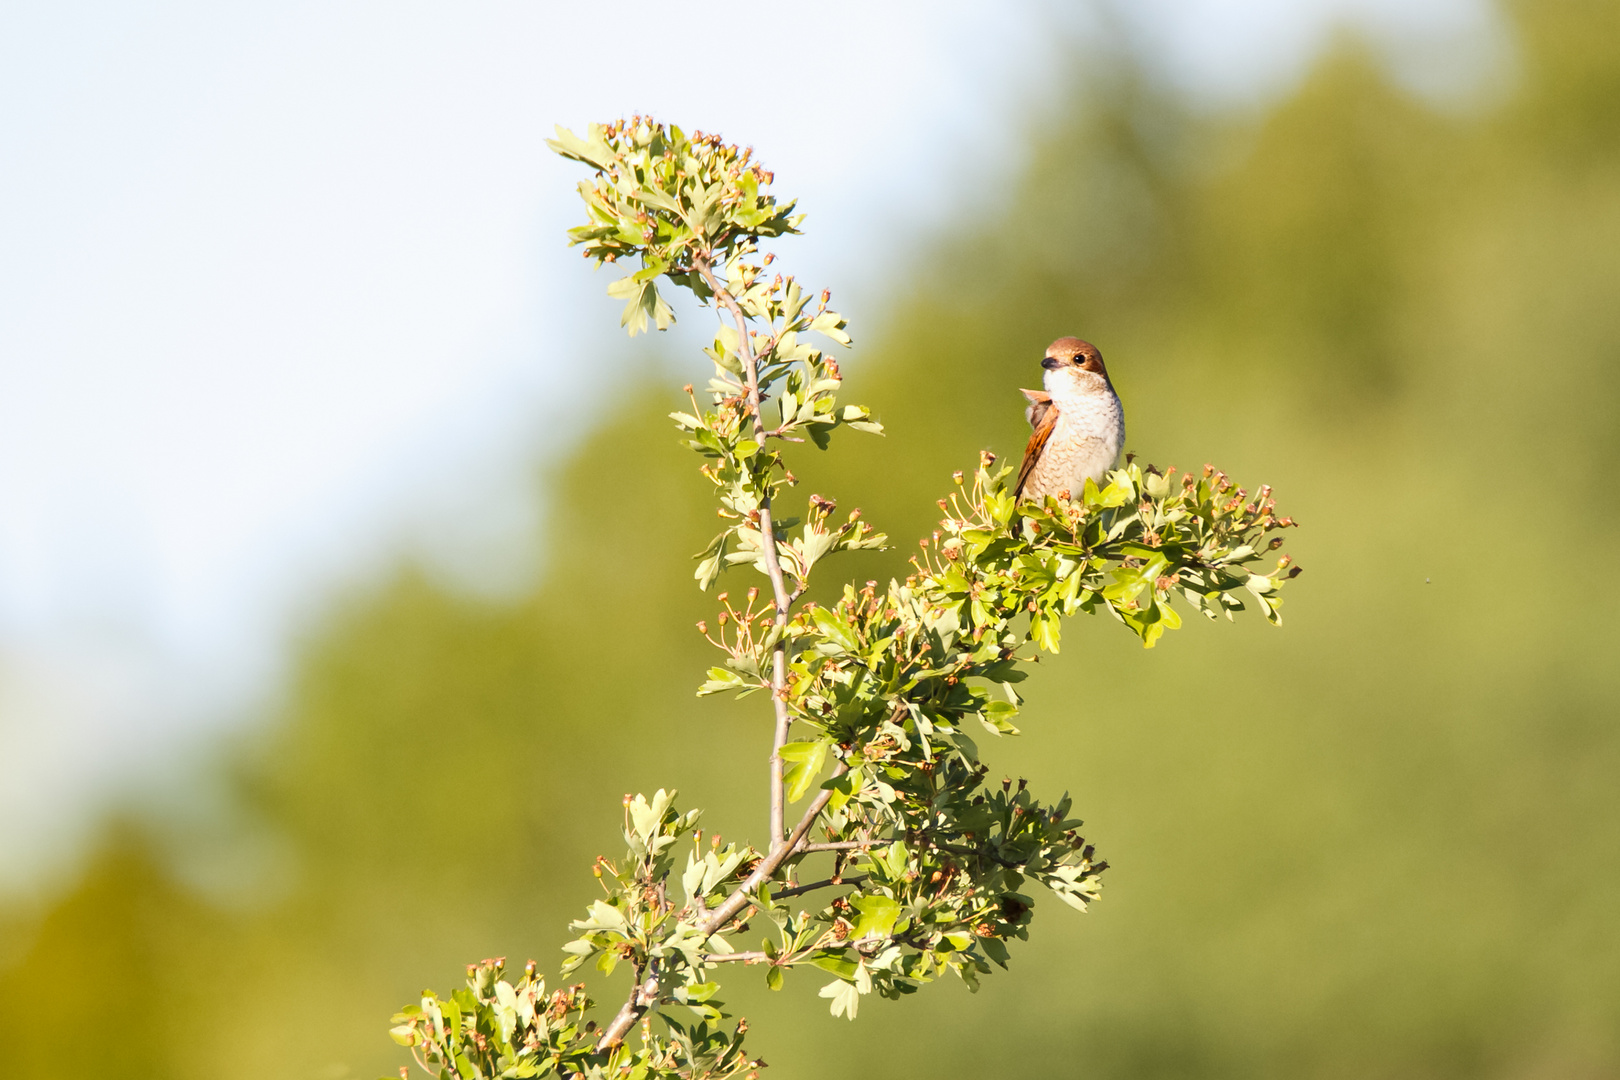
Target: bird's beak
(1051, 363)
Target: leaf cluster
(744, 457)
(671, 199)
(494, 1028)
(888, 687)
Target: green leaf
(835, 963)
(806, 760)
(803, 751)
(878, 915)
(846, 999)
(721, 679)
(603, 916)
(835, 628)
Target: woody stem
(773, 565)
(644, 994)
(769, 864)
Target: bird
(1079, 425)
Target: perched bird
(1079, 425)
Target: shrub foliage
(904, 864)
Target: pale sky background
(283, 292)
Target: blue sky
(283, 292)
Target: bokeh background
(1371, 257)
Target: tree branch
(769, 864)
(735, 957)
(983, 853)
(800, 890)
(642, 997)
(842, 845)
(773, 565)
(644, 994)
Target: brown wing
(1039, 402)
(1044, 415)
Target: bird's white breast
(1090, 431)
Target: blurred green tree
(1394, 863)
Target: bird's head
(1075, 363)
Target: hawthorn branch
(643, 995)
(773, 565)
(800, 890)
(841, 845)
(769, 864)
(735, 957)
(981, 853)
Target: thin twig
(735, 957)
(800, 890)
(773, 566)
(842, 845)
(778, 433)
(983, 853)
